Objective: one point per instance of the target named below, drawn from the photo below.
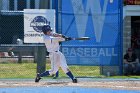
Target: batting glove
(68, 38)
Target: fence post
(19, 42)
(19, 57)
(35, 54)
(41, 59)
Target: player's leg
(69, 73)
(65, 68)
(53, 70)
(46, 73)
(39, 75)
(56, 75)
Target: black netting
(23, 63)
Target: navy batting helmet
(46, 28)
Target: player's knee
(54, 72)
(66, 70)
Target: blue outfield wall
(89, 55)
(101, 21)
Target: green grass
(15, 70)
(28, 70)
(124, 77)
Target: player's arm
(60, 36)
(57, 39)
(56, 35)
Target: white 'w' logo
(81, 16)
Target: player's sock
(57, 74)
(70, 75)
(46, 73)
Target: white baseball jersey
(56, 57)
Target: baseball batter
(51, 41)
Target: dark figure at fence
(131, 63)
(136, 44)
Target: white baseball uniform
(56, 57)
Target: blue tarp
(101, 21)
(63, 90)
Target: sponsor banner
(101, 21)
(34, 20)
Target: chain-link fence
(15, 62)
(19, 60)
(23, 63)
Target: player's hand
(68, 38)
(64, 36)
(56, 35)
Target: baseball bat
(81, 38)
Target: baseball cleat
(37, 77)
(55, 77)
(74, 80)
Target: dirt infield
(111, 84)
